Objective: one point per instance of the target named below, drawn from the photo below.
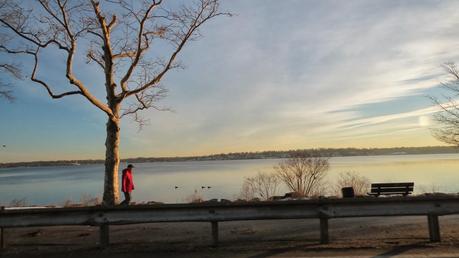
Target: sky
(277, 75)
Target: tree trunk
(112, 160)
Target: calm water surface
(157, 181)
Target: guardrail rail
(321, 209)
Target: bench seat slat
(388, 193)
(398, 189)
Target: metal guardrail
(322, 209)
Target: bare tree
(359, 183)
(117, 36)
(303, 173)
(13, 70)
(5, 88)
(263, 186)
(7, 68)
(448, 118)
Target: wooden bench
(404, 189)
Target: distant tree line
(326, 152)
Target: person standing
(127, 184)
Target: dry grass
(194, 197)
(18, 203)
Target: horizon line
(229, 153)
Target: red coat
(127, 182)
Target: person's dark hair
(130, 166)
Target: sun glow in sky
(278, 75)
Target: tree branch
(201, 17)
(31, 40)
(139, 50)
(108, 56)
(112, 23)
(95, 34)
(146, 101)
(84, 91)
(92, 57)
(125, 54)
(45, 85)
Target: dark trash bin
(348, 192)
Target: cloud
(388, 118)
(281, 72)
(294, 75)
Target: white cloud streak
(279, 72)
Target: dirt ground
(356, 237)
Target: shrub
(89, 200)
(352, 179)
(304, 173)
(262, 186)
(194, 197)
(18, 202)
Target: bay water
(174, 182)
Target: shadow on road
(397, 250)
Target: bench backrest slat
(392, 184)
(392, 188)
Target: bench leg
(104, 235)
(324, 239)
(214, 233)
(434, 228)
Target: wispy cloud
(280, 72)
(388, 118)
(300, 74)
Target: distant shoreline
(331, 152)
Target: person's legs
(127, 198)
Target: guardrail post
(2, 234)
(2, 239)
(434, 228)
(104, 235)
(324, 239)
(214, 233)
